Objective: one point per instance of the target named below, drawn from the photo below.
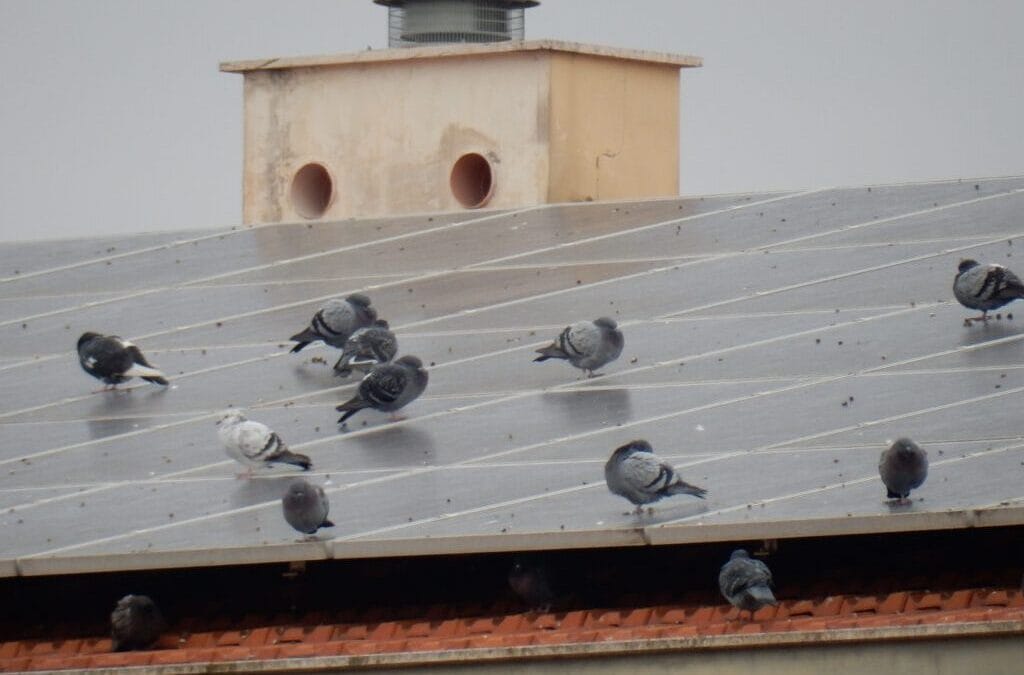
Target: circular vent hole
(312, 189)
(471, 181)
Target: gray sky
(114, 117)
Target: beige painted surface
(614, 129)
(555, 125)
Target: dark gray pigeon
(985, 287)
(135, 623)
(388, 387)
(336, 320)
(746, 582)
(531, 583)
(114, 360)
(254, 445)
(305, 507)
(588, 345)
(367, 347)
(903, 467)
(639, 475)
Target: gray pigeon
(366, 348)
(388, 387)
(135, 623)
(114, 360)
(903, 468)
(985, 287)
(530, 582)
(305, 507)
(639, 475)
(588, 345)
(254, 445)
(336, 320)
(746, 582)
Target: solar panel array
(774, 344)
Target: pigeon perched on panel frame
(985, 287)
(530, 582)
(746, 582)
(639, 475)
(254, 445)
(588, 345)
(367, 347)
(388, 387)
(903, 467)
(335, 321)
(135, 623)
(305, 507)
(113, 360)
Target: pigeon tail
(683, 488)
(289, 457)
(327, 523)
(350, 408)
(157, 380)
(146, 373)
(552, 351)
(762, 595)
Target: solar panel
(774, 344)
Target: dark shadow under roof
(774, 345)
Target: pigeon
(305, 507)
(366, 348)
(336, 321)
(746, 582)
(985, 287)
(588, 345)
(530, 583)
(387, 387)
(135, 623)
(903, 468)
(254, 444)
(636, 473)
(113, 360)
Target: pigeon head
(905, 448)
(231, 417)
(411, 361)
(359, 300)
(87, 337)
(381, 323)
(297, 490)
(605, 322)
(632, 448)
(740, 554)
(966, 264)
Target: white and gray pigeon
(367, 347)
(985, 287)
(305, 507)
(336, 320)
(746, 582)
(254, 445)
(388, 387)
(135, 623)
(588, 345)
(903, 467)
(639, 475)
(114, 360)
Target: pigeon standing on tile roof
(388, 387)
(366, 348)
(305, 507)
(113, 360)
(531, 583)
(588, 345)
(135, 623)
(746, 582)
(336, 320)
(985, 287)
(903, 467)
(254, 445)
(639, 475)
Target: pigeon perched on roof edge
(113, 360)
(335, 321)
(135, 623)
(985, 287)
(366, 348)
(254, 445)
(305, 507)
(388, 387)
(639, 475)
(746, 582)
(588, 345)
(903, 467)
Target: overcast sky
(115, 118)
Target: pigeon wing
(645, 472)
(383, 385)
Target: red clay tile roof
(311, 639)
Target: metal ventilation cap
(416, 23)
